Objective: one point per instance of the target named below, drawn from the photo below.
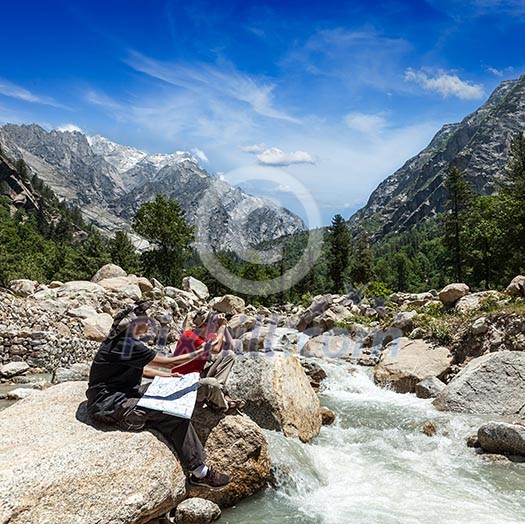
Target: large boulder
(23, 287)
(108, 271)
(490, 384)
(474, 301)
(452, 293)
(98, 326)
(78, 371)
(12, 369)
(517, 287)
(237, 446)
(429, 387)
(56, 468)
(406, 362)
(278, 394)
(501, 437)
(319, 305)
(228, 304)
(328, 346)
(241, 324)
(198, 288)
(127, 287)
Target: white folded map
(172, 395)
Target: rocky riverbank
(434, 344)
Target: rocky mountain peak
(110, 181)
(477, 145)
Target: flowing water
(375, 466)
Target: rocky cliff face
(110, 182)
(478, 145)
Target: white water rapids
(375, 466)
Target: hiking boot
(212, 480)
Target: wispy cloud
(254, 148)
(70, 128)
(102, 100)
(274, 156)
(200, 154)
(12, 90)
(356, 57)
(366, 124)
(215, 81)
(446, 84)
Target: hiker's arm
(218, 341)
(150, 372)
(172, 362)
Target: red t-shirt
(189, 342)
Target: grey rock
(13, 369)
(76, 372)
(195, 286)
(314, 370)
(327, 416)
(23, 287)
(406, 362)
(490, 384)
(22, 393)
(480, 326)
(404, 321)
(108, 271)
(517, 287)
(429, 387)
(278, 394)
(501, 437)
(452, 293)
(197, 511)
(228, 304)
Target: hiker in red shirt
(214, 364)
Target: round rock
(197, 511)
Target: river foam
(376, 466)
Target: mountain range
(109, 182)
(478, 145)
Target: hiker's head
(142, 328)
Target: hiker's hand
(175, 374)
(221, 320)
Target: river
(376, 466)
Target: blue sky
(335, 94)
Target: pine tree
(339, 252)
(361, 266)
(514, 190)
(123, 252)
(459, 204)
(162, 222)
(21, 169)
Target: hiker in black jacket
(115, 389)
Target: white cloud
(102, 100)
(367, 124)
(495, 72)
(277, 157)
(255, 148)
(200, 154)
(69, 127)
(15, 91)
(212, 82)
(446, 84)
(282, 188)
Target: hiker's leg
(221, 366)
(210, 391)
(181, 435)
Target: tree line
(479, 240)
